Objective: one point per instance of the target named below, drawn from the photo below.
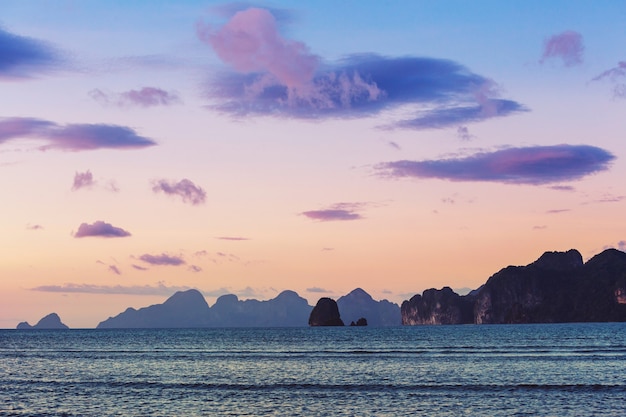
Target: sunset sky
(318, 146)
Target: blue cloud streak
(531, 165)
(23, 57)
(365, 85)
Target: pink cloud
(250, 42)
(162, 259)
(100, 229)
(236, 238)
(568, 46)
(185, 189)
(145, 97)
(83, 180)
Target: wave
(314, 387)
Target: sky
(248, 148)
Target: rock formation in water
(50, 322)
(360, 322)
(437, 307)
(556, 288)
(325, 313)
(359, 304)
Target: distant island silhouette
(189, 309)
(557, 288)
(50, 322)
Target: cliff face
(556, 288)
(437, 307)
(539, 292)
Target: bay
(488, 370)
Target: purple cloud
(139, 267)
(162, 259)
(145, 97)
(195, 268)
(100, 229)
(81, 137)
(532, 165)
(72, 137)
(337, 212)
(568, 46)
(562, 188)
(275, 76)
(557, 211)
(23, 57)
(318, 290)
(159, 289)
(16, 127)
(185, 189)
(115, 270)
(236, 238)
(83, 180)
(621, 245)
(609, 198)
(464, 134)
(34, 227)
(616, 77)
(454, 114)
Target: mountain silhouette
(359, 304)
(189, 309)
(184, 309)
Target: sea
(465, 370)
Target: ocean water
(498, 370)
